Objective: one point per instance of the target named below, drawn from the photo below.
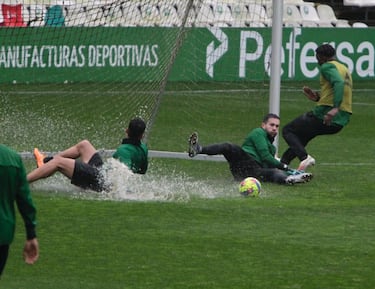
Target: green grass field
(202, 233)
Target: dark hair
(136, 128)
(270, 115)
(326, 50)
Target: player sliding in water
(82, 163)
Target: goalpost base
(152, 154)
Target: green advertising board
(142, 53)
(230, 54)
(81, 54)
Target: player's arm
(266, 156)
(25, 205)
(28, 212)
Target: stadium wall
(31, 55)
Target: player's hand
(31, 251)
(312, 95)
(330, 115)
(328, 119)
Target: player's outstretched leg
(194, 147)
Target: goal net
(82, 69)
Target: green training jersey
(259, 146)
(135, 156)
(14, 189)
(336, 91)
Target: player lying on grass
(83, 165)
(331, 113)
(255, 158)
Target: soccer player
(331, 113)
(14, 189)
(256, 156)
(82, 164)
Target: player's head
(271, 124)
(136, 128)
(324, 53)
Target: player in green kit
(331, 113)
(83, 165)
(14, 189)
(255, 157)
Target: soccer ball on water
(250, 187)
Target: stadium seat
(181, 6)
(75, 15)
(150, 14)
(113, 15)
(205, 15)
(25, 14)
(54, 17)
(131, 14)
(12, 15)
(326, 14)
(308, 13)
(343, 24)
(95, 16)
(292, 16)
(168, 15)
(36, 14)
(258, 14)
(222, 14)
(239, 14)
(359, 25)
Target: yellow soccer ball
(250, 187)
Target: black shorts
(88, 175)
(4, 250)
(247, 167)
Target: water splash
(56, 122)
(22, 129)
(156, 185)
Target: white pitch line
(190, 92)
(347, 164)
